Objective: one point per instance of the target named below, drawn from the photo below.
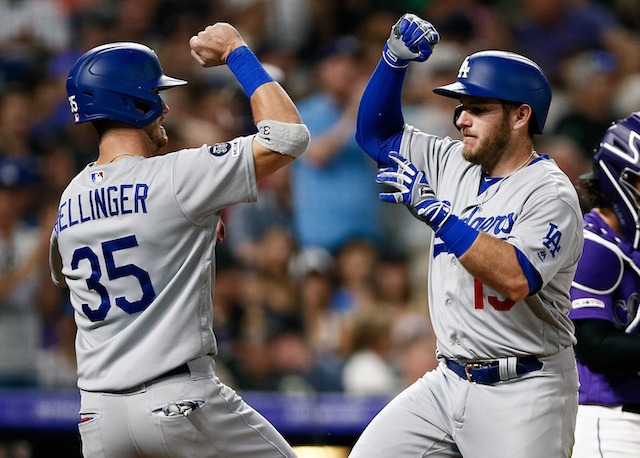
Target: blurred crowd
(320, 286)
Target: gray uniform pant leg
(133, 424)
(443, 415)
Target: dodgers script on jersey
(534, 209)
(604, 292)
(170, 205)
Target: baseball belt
(490, 372)
(183, 369)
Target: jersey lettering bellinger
(102, 202)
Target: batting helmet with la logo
(504, 76)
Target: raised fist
(412, 38)
(211, 46)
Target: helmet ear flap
(456, 114)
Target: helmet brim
(453, 90)
(167, 82)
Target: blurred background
(320, 307)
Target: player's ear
(522, 116)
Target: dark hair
(103, 125)
(591, 195)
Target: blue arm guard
(380, 120)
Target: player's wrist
(392, 59)
(247, 69)
(457, 235)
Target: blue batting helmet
(118, 81)
(617, 167)
(505, 76)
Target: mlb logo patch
(97, 176)
(587, 302)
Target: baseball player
(134, 243)
(605, 295)
(507, 239)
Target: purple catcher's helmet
(118, 81)
(617, 167)
(504, 76)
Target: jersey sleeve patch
(220, 149)
(589, 302)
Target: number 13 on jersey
(494, 301)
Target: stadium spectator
(354, 294)
(413, 349)
(334, 197)
(567, 153)
(314, 272)
(24, 281)
(591, 78)
(368, 370)
(247, 223)
(30, 30)
(568, 27)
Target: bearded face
(488, 145)
(157, 134)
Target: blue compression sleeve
(380, 120)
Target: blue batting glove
(412, 38)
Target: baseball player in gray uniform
(134, 243)
(507, 238)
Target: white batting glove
(434, 212)
(410, 182)
(413, 190)
(412, 38)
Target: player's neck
(118, 144)
(516, 154)
(514, 164)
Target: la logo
(464, 69)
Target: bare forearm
(494, 263)
(271, 101)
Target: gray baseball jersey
(442, 414)
(536, 210)
(136, 238)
